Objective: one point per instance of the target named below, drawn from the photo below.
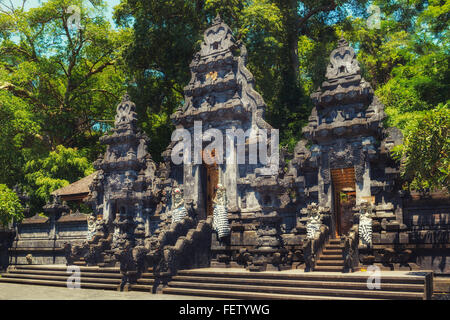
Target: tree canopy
(60, 81)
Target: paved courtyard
(12, 291)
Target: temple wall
(46, 246)
(6, 237)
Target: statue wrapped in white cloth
(91, 227)
(220, 217)
(314, 220)
(365, 223)
(178, 209)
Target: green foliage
(10, 207)
(19, 137)
(69, 78)
(426, 149)
(58, 83)
(168, 32)
(58, 169)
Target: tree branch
(312, 12)
(19, 92)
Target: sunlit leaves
(10, 207)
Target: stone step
(334, 241)
(79, 263)
(334, 246)
(301, 276)
(60, 278)
(349, 293)
(103, 286)
(146, 281)
(140, 287)
(331, 257)
(330, 263)
(328, 268)
(299, 283)
(245, 295)
(63, 273)
(332, 251)
(64, 268)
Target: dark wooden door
(344, 198)
(212, 179)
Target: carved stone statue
(365, 223)
(91, 227)
(220, 222)
(314, 220)
(178, 209)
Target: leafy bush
(10, 207)
(60, 168)
(425, 152)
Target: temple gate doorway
(344, 199)
(211, 174)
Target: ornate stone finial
(342, 61)
(125, 112)
(342, 42)
(217, 19)
(126, 97)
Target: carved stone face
(91, 221)
(220, 194)
(365, 208)
(177, 196)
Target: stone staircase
(241, 284)
(57, 275)
(330, 259)
(145, 283)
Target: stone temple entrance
(211, 174)
(344, 199)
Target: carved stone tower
(221, 98)
(121, 194)
(348, 161)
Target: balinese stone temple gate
(336, 205)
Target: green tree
(168, 32)
(425, 152)
(19, 137)
(70, 77)
(10, 207)
(61, 167)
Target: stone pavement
(11, 291)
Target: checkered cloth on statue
(365, 223)
(178, 214)
(220, 216)
(178, 211)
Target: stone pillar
(363, 189)
(230, 179)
